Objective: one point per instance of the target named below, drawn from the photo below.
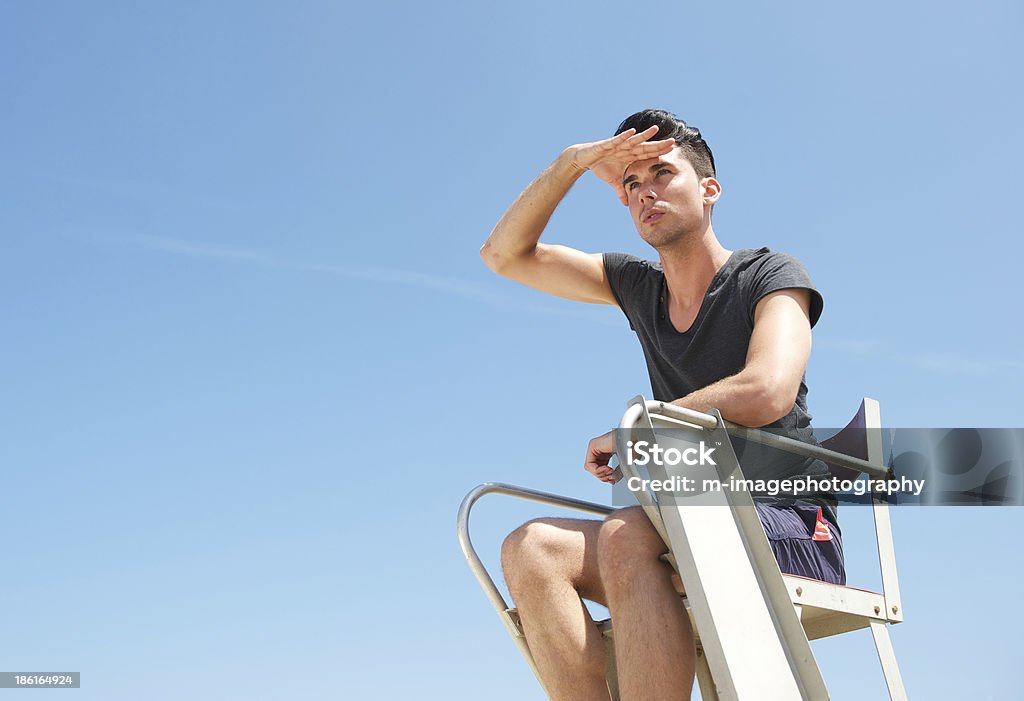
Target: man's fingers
(596, 462)
(627, 152)
(642, 136)
(616, 156)
(649, 149)
(612, 476)
(599, 451)
(626, 140)
(617, 140)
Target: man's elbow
(502, 262)
(773, 400)
(494, 260)
(489, 257)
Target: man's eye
(664, 170)
(633, 185)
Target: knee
(627, 543)
(529, 553)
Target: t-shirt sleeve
(779, 271)
(625, 273)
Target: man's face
(666, 199)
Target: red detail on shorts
(821, 531)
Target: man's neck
(690, 266)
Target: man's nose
(648, 194)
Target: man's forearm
(519, 230)
(744, 398)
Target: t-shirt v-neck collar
(663, 312)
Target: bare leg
(549, 565)
(654, 644)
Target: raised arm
(514, 249)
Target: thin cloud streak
(198, 250)
(450, 285)
(458, 287)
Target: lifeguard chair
(753, 624)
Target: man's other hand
(610, 157)
(599, 452)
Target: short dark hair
(687, 137)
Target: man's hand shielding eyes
(609, 158)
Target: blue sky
(252, 361)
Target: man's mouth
(651, 215)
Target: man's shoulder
(617, 259)
(626, 270)
(762, 255)
(763, 260)
(763, 271)
(633, 280)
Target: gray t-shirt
(715, 345)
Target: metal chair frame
(753, 622)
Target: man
(719, 329)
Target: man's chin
(662, 238)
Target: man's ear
(711, 190)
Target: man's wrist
(567, 161)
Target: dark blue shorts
(804, 541)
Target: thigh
(630, 545)
(635, 529)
